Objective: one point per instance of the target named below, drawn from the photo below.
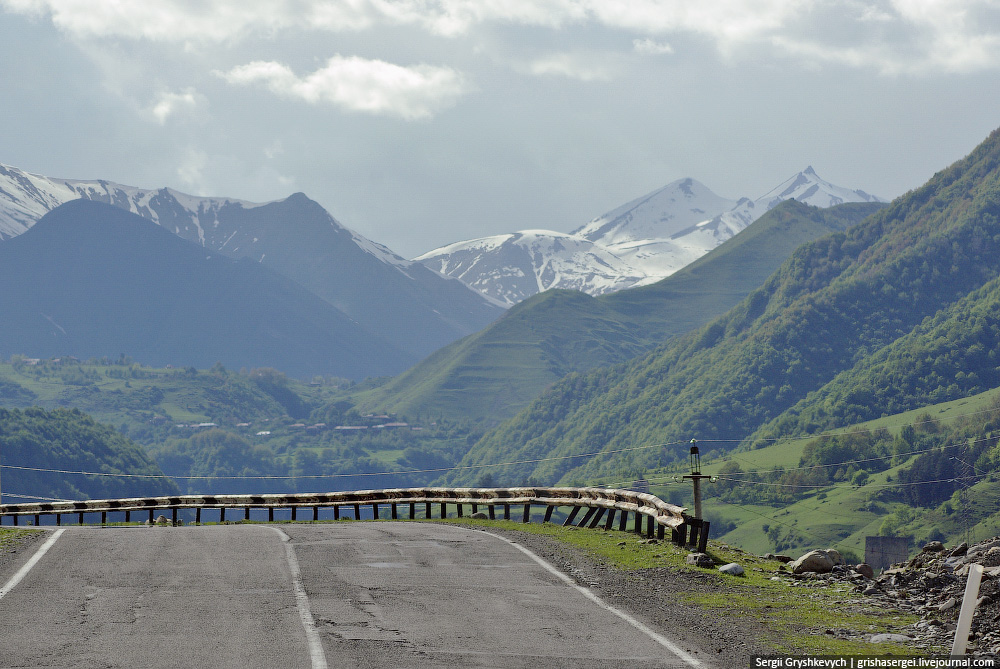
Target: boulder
(479, 515)
(702, 560)
(865, 570)
(890, 638)
(819, 561)
(933, 547)
(732, 568)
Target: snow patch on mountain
(26, 197)
(513, 267)
(638, 243)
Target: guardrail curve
(658, 514)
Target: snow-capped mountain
(397, 299)
(638, 243)
(516, 266)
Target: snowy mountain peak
(512, 267)
(809, 188)
(662, 213)
(643, 240)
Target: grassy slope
(498, 371)
(842, 516)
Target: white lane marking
(655, 636)
(302, 601)
(23, 571)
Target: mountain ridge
(92, 280)
(414, 308)
(832, 303)
(635, 244)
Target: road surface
(350, 594)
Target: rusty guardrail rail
(658, 515)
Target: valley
(776, 350)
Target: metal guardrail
(598, 502)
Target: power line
(326, 476)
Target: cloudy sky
(422, 122)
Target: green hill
(498, 371)
(833, 303)
(33, 442)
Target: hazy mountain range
(633, 245)
(395, 300)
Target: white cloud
(892, 36)
(573, 66)
(169, 104)
(357, 84)
(191, 171)
(651, 47)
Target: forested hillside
(832, 305)
(37, 447)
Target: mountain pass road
(352, 594)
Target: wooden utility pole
(696, 476)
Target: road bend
(344, 595)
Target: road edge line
(589, 594)
(316, 654)
(27, 566)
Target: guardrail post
(623, 523)
(492, 512)
(611, 520)
(444, 510)
(151, 516)
(475, 509)
(459, 507)
(527, 514)
(394, 516)
(649, 527)
(660, 532)
(14, 518)
(506, 511)
(548, 513)
(597, 518)
(173, 517)
(637, 528)
(357, 512)
(427, 509)
(294, 509)
(586, 517)
(270, 514)
(315, 513)
(104, 518)
(572, 516)
(38, 519)
(336, 513)
(374, 511)
(222, 515)
(679, 535)
(81, 518)
(703, 537)
(197, 516)
(413, 510)
(246, 513)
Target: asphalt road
(352, 595)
